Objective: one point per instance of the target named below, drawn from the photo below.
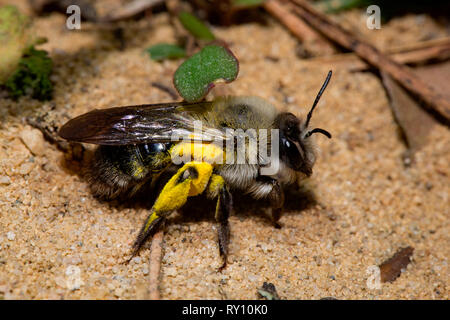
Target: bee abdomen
(120, 171)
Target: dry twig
(433, 101)
(155, 265)
(298, 27)
(171, 92)
(130, 9)
(417, 53)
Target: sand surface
(58, 242)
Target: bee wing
(140, 124)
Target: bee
(137, 147)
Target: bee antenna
(318, 130)
(317, 99)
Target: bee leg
(217, 189)
(276, 197)
(190, 180)
(153, 222)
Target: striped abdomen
(122, 170)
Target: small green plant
(162, 51)
(23, 69)
(197, 75)
(195, 26)
(32, 76)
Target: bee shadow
(201, 208)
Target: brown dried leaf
(437, 75)
(392, 268)
(413, 120)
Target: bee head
(296, 149)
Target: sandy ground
(58, 242)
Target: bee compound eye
(290, 146)
(287, 143)
(292, 155)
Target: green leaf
(196, 76)
(196, 27)
(163, 51)
(247, 3)
(32, 76)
